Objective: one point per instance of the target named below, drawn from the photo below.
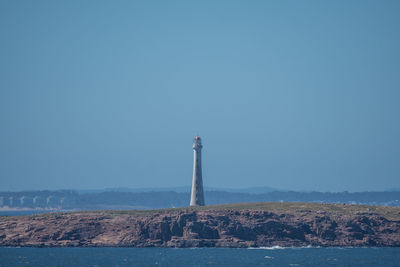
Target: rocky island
(235, 225)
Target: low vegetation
(392, 213)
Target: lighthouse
(197, 197)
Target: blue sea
(22, 212)
(274, 256)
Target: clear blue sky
(301, 95)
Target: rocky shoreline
(258, 226)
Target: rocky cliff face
(202, 228)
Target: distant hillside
(185, 189)
(72, 200)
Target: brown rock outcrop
(201, 228)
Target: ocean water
(22, 212)
(275, 256)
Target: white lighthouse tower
(197, 197)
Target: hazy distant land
(121, 198)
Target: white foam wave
(279, 247)
(270, 248)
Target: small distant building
(197, 196)
(11, 201)
(39, 201)
(26, 201)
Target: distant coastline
(69, 200)
(6, 208)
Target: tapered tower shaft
(197, 197)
